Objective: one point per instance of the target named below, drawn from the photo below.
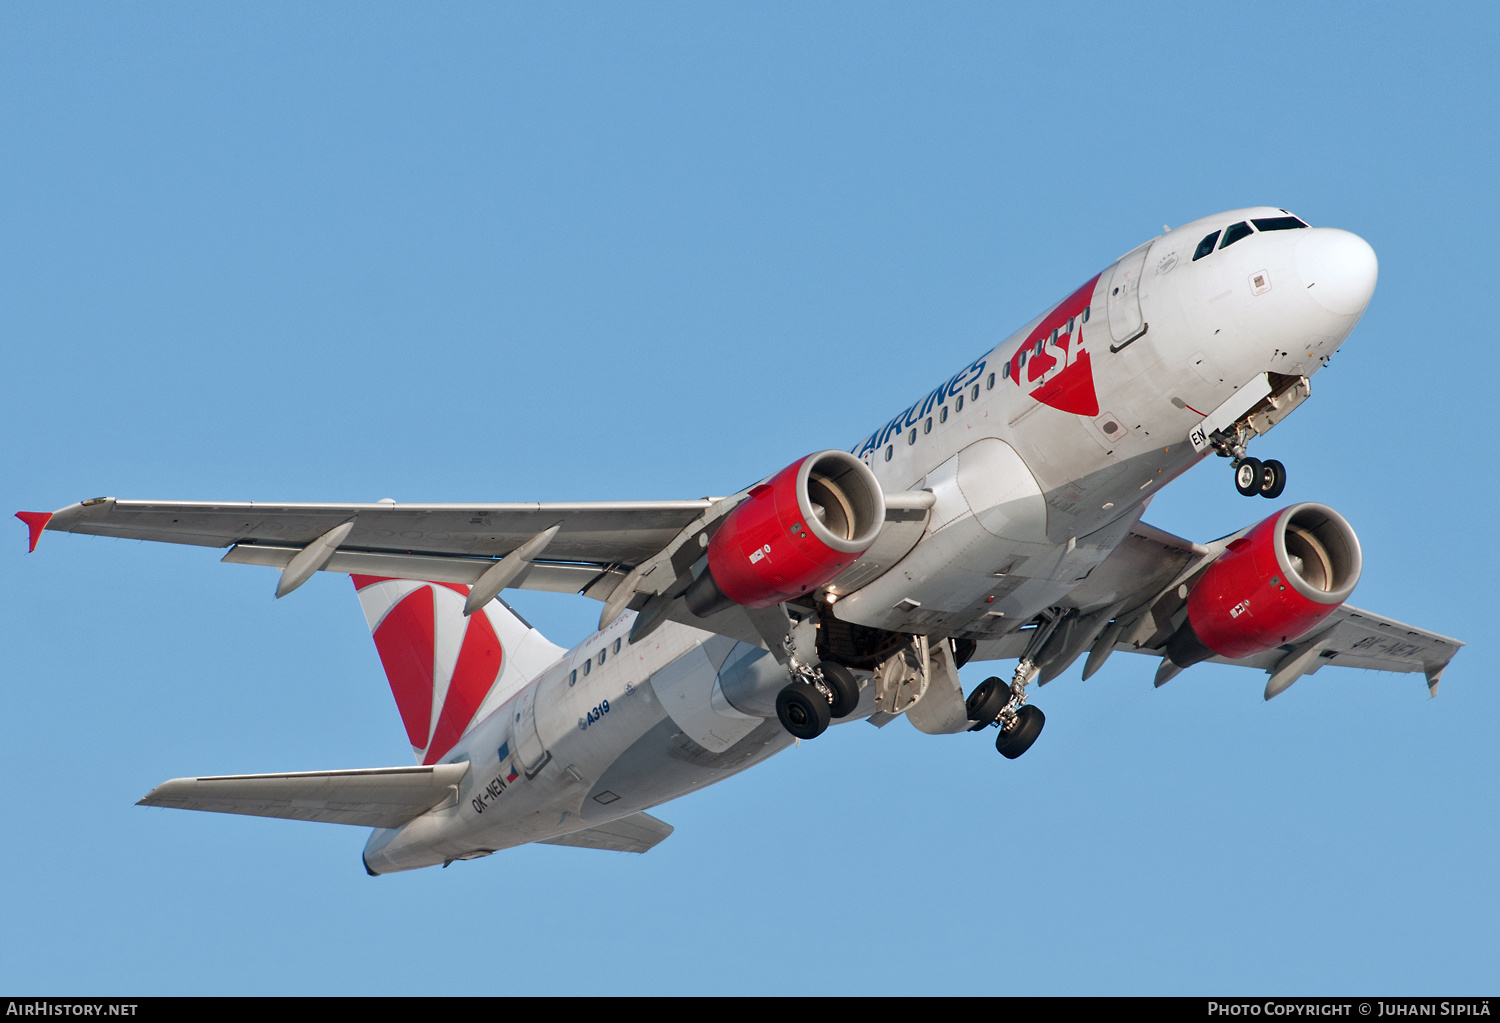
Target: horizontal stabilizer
(378, 797)
(636, 834)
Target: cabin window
(927, 426)
(1234, 232)
(943, 415)
(617, 646)
(958, 403)
(1205, 246)
(989, 385)
(573, 678)
(911, 438)
(890, 449)
(1278, 224)
(1005, 371)
(974, 394)
(587, 665)
(601, 658)
(1085, 314)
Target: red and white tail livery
(447, 671)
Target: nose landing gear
(1251, 476)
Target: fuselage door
(1124, 299)
(529, 748)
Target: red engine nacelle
(792, 534)
(1270, 586)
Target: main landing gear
(1252, 476)
(815, 697)
(994, 703)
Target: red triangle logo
(1072, 390)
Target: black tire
(986, 701)
(1272, 478)
(1247, 476)
(1029, 722)
(802, 710)
(845, 689)
(963, 649)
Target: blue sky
(484, 252)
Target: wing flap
(637, 833)
(381, 797)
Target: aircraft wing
(621, 553)
(381, 797)
(595, 543)
(1355, 638)
(1135, 599)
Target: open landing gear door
(920, 680)
(941, 710)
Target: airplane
(996, 517)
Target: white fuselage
(1031, 496)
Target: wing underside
(1135, 600)
(1355, 638)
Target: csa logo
(1053, 363)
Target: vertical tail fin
(445, 670)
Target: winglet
(35, 522)
(1434, 676)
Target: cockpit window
(1206, 246)
(1278, 224)
(1234, 232)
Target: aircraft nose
(1338, 269)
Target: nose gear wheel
(1272, 478)
(1252, 476)
(1247, 476)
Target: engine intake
(791, 534)
(1270, 586)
